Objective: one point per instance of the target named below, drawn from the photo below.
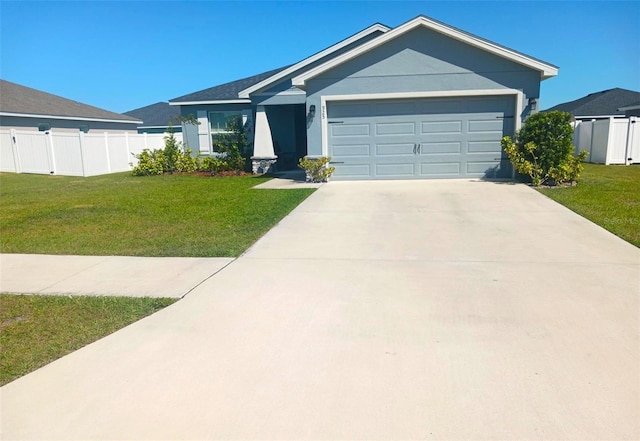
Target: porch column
(264, 156)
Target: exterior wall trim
(517, 94)
(283, 74)
(72, 118)
(194, 103)
(546, 70)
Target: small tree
(543, 149)
(171, 151)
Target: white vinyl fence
(73, 154)
(609, 141)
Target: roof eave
(78, 118)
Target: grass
(39, 329)
(120, 214)
(607, 195)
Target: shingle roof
(15, 98)
(227, 91)
(606, 102)
(158, 115)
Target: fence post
(106, 147)
(52, 156)
(128, 150)
(14, 151)
(82, 152)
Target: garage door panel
(486, 125)
(398, 170)
(481, 167)
(395, 128)
(441, 127)
(344, 110)
(404, 149)
(362, 171)
(484, 147)
(393, 108)
(440, 169)
(433, 148)
(362, 150)
(340, 130)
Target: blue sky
(121, 55)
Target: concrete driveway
(376, 310)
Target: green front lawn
(39, 329)
(119, 214)
(608, 195)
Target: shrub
(184, 162)
(316, 168)
(543, 149)
(211, 164)
(150, 162)
(173, 158)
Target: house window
(218, 122)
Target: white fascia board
(71, 118)
(546, 70)
(632, 107)
(283, 93)
(195, 103)
(307, 61)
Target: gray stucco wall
(21, 123)
(419, 61)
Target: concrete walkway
(105, 275)
(375, 310)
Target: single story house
(24, 108)
(421, 100)
(157, 118)
(600, 105)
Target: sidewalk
(105, 275)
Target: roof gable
(604, 103)
(281, 75)
(18, 100)
(546, 70)
(157, 115)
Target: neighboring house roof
(156, 115)
(632, 106)
(227, 92)
(605, 103)
(378, 27)
(546, 70)
(18, 100)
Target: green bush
(316, 168)
(173, 158)
(211, 164)
(150, 162)
(543, 149)
(184, 162)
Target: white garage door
(420, 138)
